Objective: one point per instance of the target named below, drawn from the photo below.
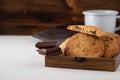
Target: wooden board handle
(80, 59)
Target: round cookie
(117, 36)
(63, 45)
(84, 45)
(111, 45)
(119, 42)
(87, 29)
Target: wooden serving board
(106, 64)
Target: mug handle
(118, 16)
(118, 28)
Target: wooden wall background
(31, 16)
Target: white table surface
(20, 61)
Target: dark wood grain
(108, 64)
(31, 16)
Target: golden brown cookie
(84, 45)
(117, 36)
(91, 30)
(119, 42)
(63, 45)
(111, 45)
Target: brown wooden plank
(117, 60)
(34, 23)
(46, 13)
(87, 63)
(30, 5)
(56, 5)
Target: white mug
(105, 19)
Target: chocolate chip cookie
(63, 45)
(84, 45)
(111, 45)
(91, 30)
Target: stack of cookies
(91, 42)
